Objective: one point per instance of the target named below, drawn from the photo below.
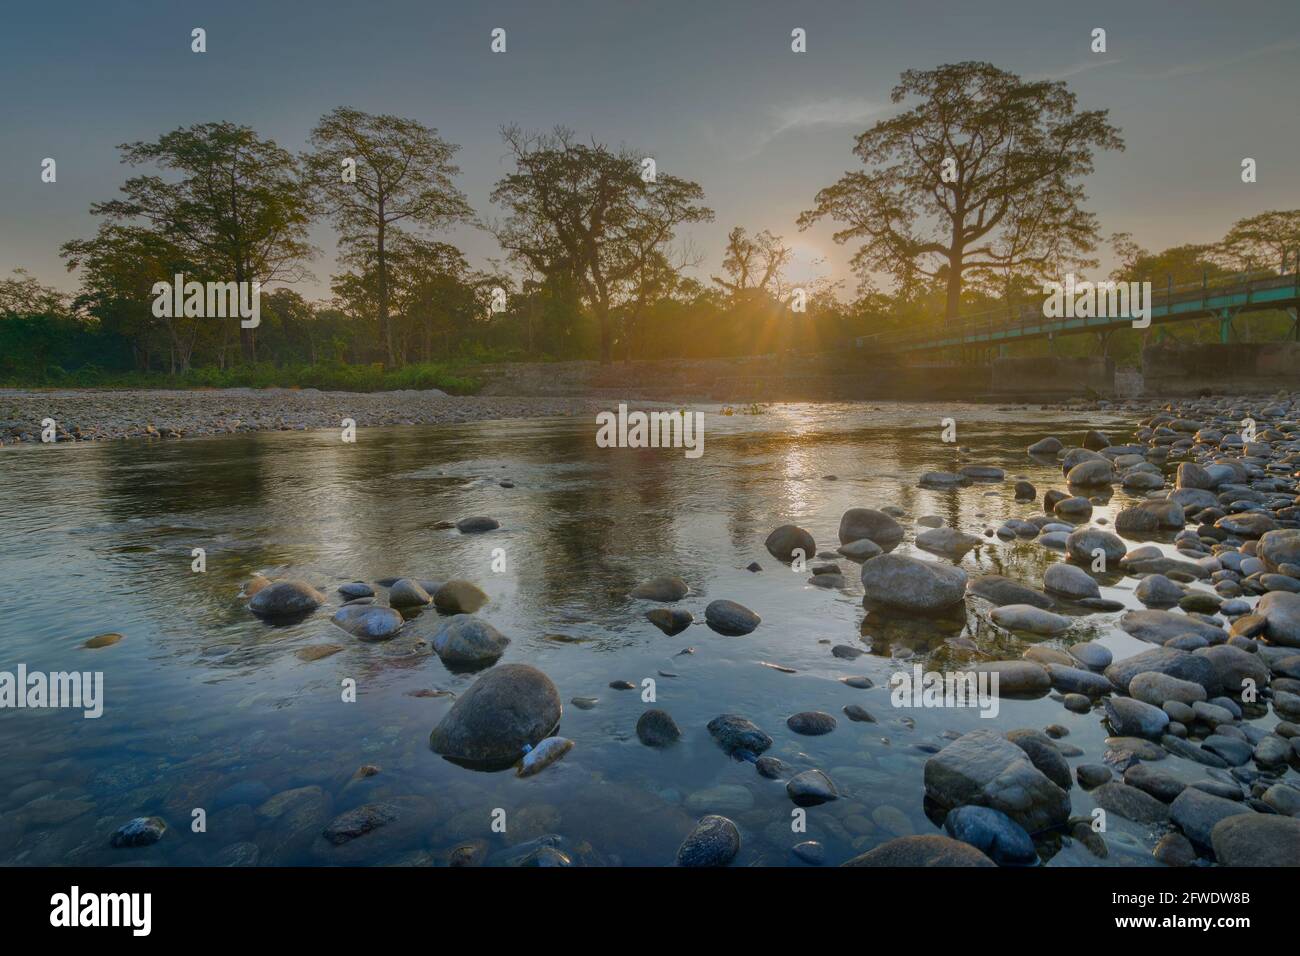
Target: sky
(709, 88)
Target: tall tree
(754, 264)
(401, 171)
(1270, 240)
(588, 210)
(981, 173)
(238, 211)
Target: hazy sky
(709, 88)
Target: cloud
(1203, 66)
(1083, 66)
(812, 114)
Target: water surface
(209, 707)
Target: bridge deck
(1181, 304)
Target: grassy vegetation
(334, 377)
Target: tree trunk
(385, 330)
(953, 302)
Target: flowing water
(208, 708)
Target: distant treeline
(595, 260)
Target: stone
(985, 769)
(993, 833)
(927, 850)
(858, 523)
(543, 755)
(1026, 617)
(1091, 654)
(358, 822)
(407, 593)
(141, 831)
(728, 617)
(1130, 803)
(948, 542)
(1081, 544)
(665, 588)
(286, 599)
(369, 622)
(656, 728)
(1044, 754)
(459, 597)
(1069, 581)
(1156, 627)
(1156, 689)
(812, 723)
(1133, 718)
(670, 620)
(510, 706)
(1165, 660)
(715, 841)
(468, 640)
(790, 541)
(1000, 590)
(1257, 839)
(1017, 678)
(1196, 813)
(811, 788)
(911, 585)
(734, 733)
(1281, 613)
(477, 524)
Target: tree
(239, 210)
(1269, 241)
(587, 210)
(754, 265)
(403, 173)
(980, 174)
(119, 268)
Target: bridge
(1223, 299)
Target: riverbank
(106, 414)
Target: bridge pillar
(1225, 326)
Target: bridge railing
(1163, 297)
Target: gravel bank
(102, 414)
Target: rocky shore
(104, 414)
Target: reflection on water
(208, 707)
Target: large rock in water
(1197, 813)
(286, 599)
(467, 640)
(715, 841)
(1156, 627)
(1281, 613)
(907, 584)
(993, 833)
(1081, 544)
(1165, 660)
(785, 540)
(858, 523)
(459, 597)
(370, 622)
(508, 707)
(666, 588)
(1233, 667)
(987, 770)
(1259, 839)
(1070, 581)
(930, 849)
(1001, 591)
(1277, 548)
(948, 542)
